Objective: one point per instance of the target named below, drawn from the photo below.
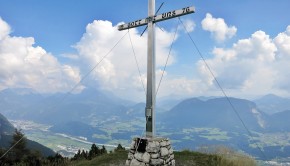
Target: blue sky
(66, 20)
(239, 39)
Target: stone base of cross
(150, 151)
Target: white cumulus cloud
(26, 66)
(258, 65)
(4, 29)
(218, 28)
(283, 43)
(118, 71)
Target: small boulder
(146, 158)
(164, 152)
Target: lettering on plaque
(169, 14)
(157, 18)
(185, 10)
(135, 23)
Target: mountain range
(59, 108)
(103, 118)
(216, 112)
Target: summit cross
(150, 22)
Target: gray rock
(132, 146)
(168, 143)
(146, 158)
(128, 162)
(170, 151)
(163, 143)
(164, 152)
(138, 156)
(173, 162)
(152, 147)
(135, 162)
(130, 156)
(157, 143)
(156, 162)
(132, 151)
(155, 155)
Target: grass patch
(228, 157)
(111, 159)
(187, 158)
(182, 158)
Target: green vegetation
(207, 155)
(88, 155)
(228, 157)
(183, 158)
(20, 154)
(187, 158)
(116, 158)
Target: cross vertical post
(139, 145)
(150, 22)
(150, 96)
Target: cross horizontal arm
(133, 24)
(161, 17)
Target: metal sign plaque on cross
(150, 22)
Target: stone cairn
(150, 152)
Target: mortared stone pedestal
(150, 152)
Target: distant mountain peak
(272, 103)
(192, 100)
(271, 96)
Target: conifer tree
(77, 156)
(84, 154)
(103, 150)
(19, 150)
(119, 148)
(94, 151)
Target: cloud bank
(257, 65)
(118, 71)
(26, 66)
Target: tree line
(21, 155)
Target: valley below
(197, 139)
(197, 124)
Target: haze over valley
(94, 117)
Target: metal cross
(150, 22)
